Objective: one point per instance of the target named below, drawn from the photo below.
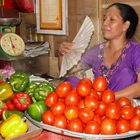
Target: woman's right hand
(65, 47)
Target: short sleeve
(89, 57)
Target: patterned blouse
(122, 73)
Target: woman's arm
(130, 92)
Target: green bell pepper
(8, 113)
(43, 89)
(31, 88)
(36, 109)
(19, 81)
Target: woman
(117, 58)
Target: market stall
(37, 104)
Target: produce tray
(83, 135)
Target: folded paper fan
(81, 42)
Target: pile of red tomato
(90, 108)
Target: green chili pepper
(31, 88)
(19, 81)
(36, 109)
(43, 89)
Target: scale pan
(9, 21)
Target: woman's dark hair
(128, 14)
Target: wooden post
(52, 48)
(100, 18)
(53, 61)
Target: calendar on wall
(52, 16)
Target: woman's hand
(65, 47)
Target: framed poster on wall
(52, 16)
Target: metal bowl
(10, 21)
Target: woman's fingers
(65, 47)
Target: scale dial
(12, 44)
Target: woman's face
(113, 25)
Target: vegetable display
(90, 108)
(87, 107)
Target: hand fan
(81, 42)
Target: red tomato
(123, 101)
(113, 111)
(91, 102)
(135, 123)
(58, 108)
(60, 122)
(71, 112)
(94, 94)
(97, 118)
(75, 125)
(127, 112)
(61, 100)
(10, 104)
(87, 80)
(100, 83)
(137, 110)
(108, 96)
(51, 99)
(1, 81)
(63, 88)
(85, 115)
(81, 104)
(92, 127)
(72, 98)
(101, 109)
(47, 117)
(108, 126)
(99, 95)
(122, 126)
(83, 88)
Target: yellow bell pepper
(12, 127)
(5, 91)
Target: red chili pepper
(3, 107)
(10, 104)
(21, 100)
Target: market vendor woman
(118, 57)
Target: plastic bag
(9, 4)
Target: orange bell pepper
(5, 91)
